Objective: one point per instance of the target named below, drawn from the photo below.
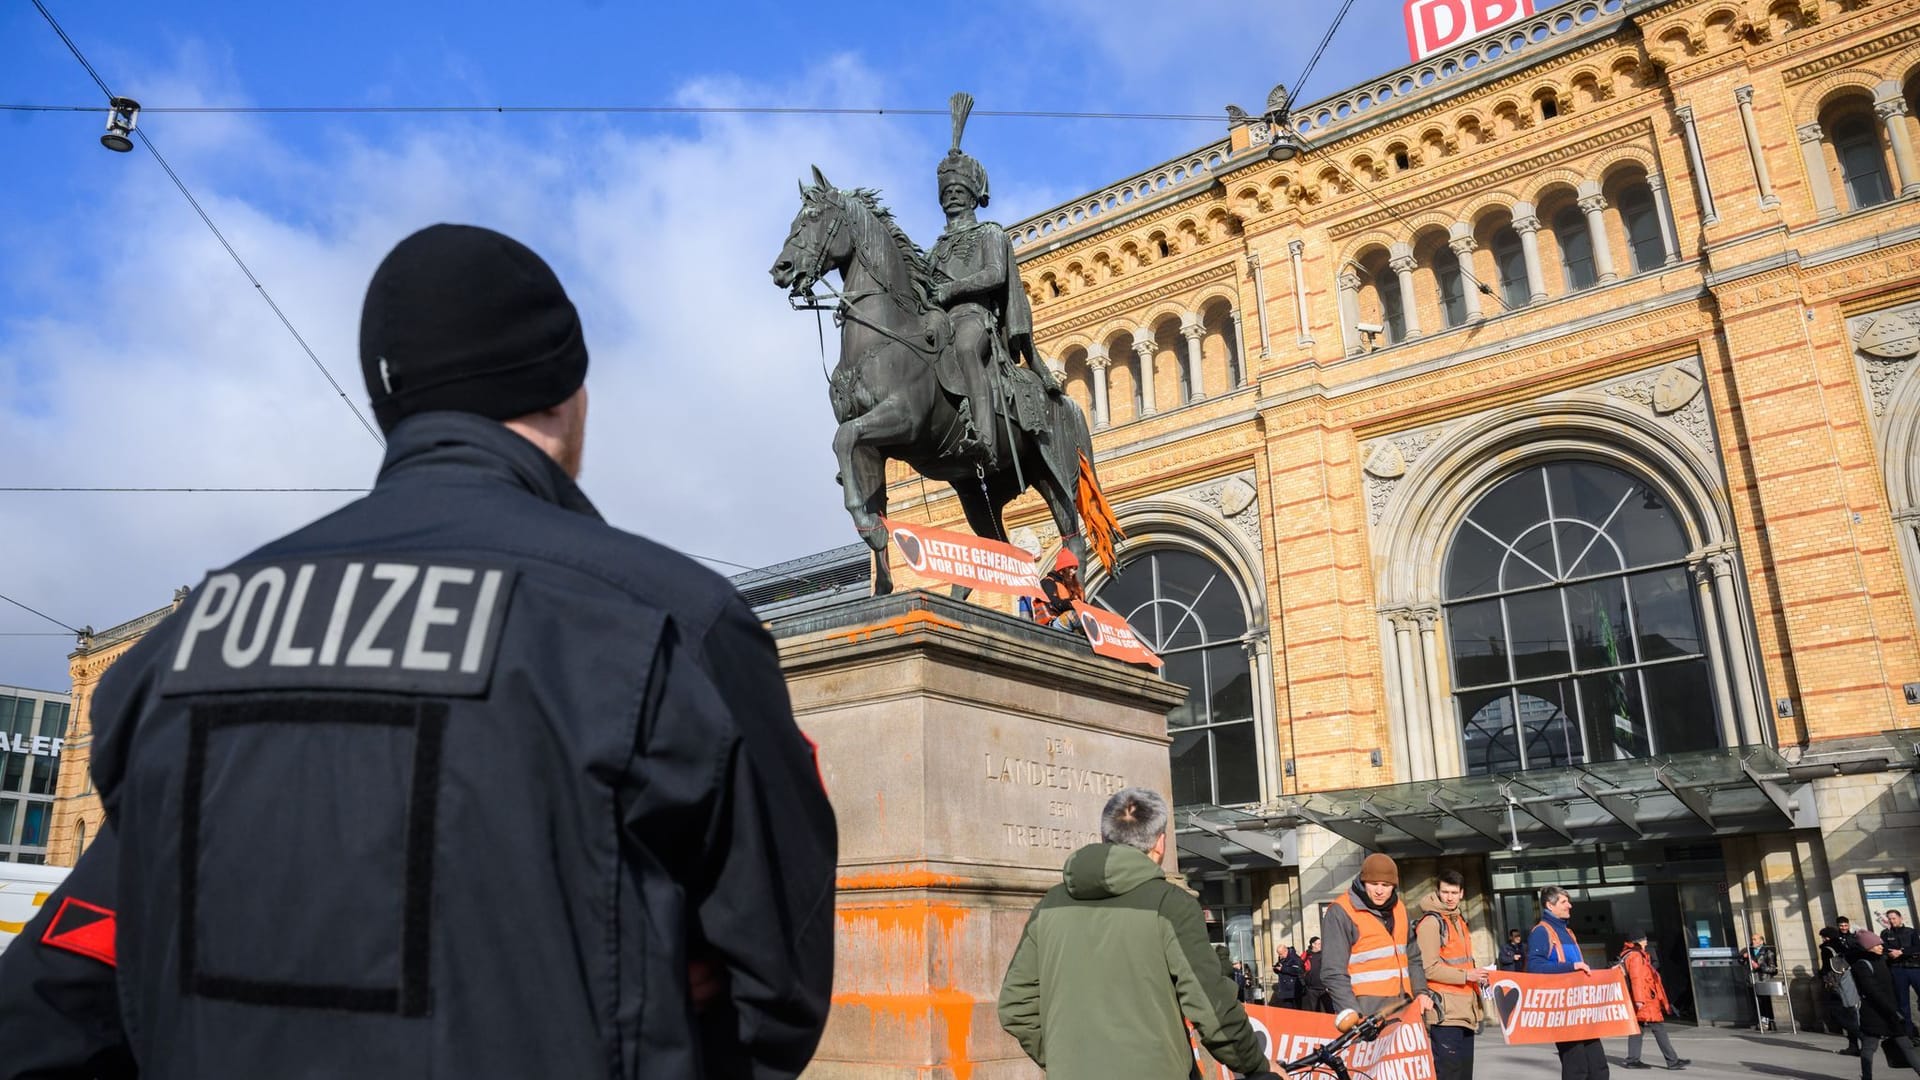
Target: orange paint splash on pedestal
(899, 625)
(902, 937)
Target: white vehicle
(23, 889)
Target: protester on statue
(1551, 950)
(1114, 962)
(1762, 966)
(1289, 973)
(1446, 951)
(665, 837)
(1373, 960)
(1903, 958)
(1313, 986)
(1062, 589)
(1650, 1004)
(1513, 954)
(59, 1016)
(1879, 1017)
(1840, 995)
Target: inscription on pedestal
(1070, 823)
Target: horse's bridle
(818, 273)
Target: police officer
(460, 781)
(58, 1016)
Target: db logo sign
(1433, 25)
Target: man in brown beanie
(460, 781)
(1372, 956)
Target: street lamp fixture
(123, 114)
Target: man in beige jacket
(1446, 952)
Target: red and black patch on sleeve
(80, 927)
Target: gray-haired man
(1114, 957)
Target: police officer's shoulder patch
(398, 624)
(82, 928)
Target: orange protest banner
(960, 559)
(1402, 1052)
(1561, 1008)
(1111, 636)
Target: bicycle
(1326, 1060)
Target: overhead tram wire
(1299, 84)
(215, 229)
(662, 110)
(36, 611)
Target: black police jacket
(59, 1019)
(460, 781)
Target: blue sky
(132, 352)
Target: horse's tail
(1076, 474)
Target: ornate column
(1402, 265)
(1295, 250)
(1144, 350)
(1768, 200)
(1663, 209)
(1350, 311)
(1891, 107)
(1702, 572)
(1259, 298)
(1691, 136)
(1239, 368)
(1441, 733)
(1816, 162)
(1594, 205)
(1266, 733)
(1463, 247)
(1527, 226)
(1193, 331)
(1728, 601)
(1097, 362)
(1419, 735)
(1399, 704)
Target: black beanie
(465, 319)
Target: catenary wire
(35, 611)
(215, 229)
(664, 110)
(1479, 286)
(1299, 84)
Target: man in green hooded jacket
(1113, 958)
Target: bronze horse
(886, 390)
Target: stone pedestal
(967, 754)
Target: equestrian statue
(937, 366)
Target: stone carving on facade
(1234, 499)
(1025, 539)
(1884, 342)
(1673, 393)
(1387, 463)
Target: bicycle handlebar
(1367, 1029)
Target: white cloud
(709, 426)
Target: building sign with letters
(1435, 25)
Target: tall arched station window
(1187, 608)
(1573, 631)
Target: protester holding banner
(1650, 1004)
(1062, 589)
(1115, 958)
(1552, 949)
(1446, 949)
(1372, 958)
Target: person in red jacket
(1650, 1004)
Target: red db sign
(1433, 25)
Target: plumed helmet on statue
(958, 165)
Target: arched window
(1451, 286)
(1510, 261)
(1863, 168)
(1643, 229)
(1571, 624)
(1186, 608)
(1392, 315)
(1576, 249)
(79, 837)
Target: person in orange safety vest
(1372, 959)
(1446, 948)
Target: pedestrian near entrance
(460, 781)
(1879, 1019)
(1373, 958)
(1840, 996)
(1552, 950)
(1289, 973)
(1313, 989)
(1446, 951)
(1763, 966)
(1115, 958)
(1513, 954)
(1903, 958)
(1650, 1004)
